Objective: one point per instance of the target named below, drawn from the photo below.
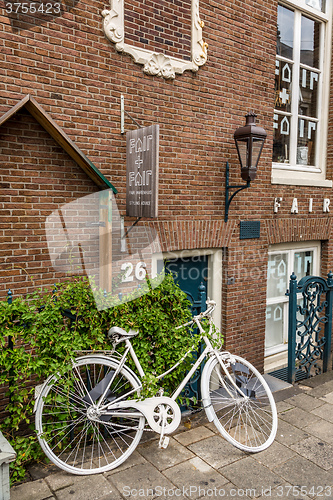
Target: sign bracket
(131, 227)
(122, 116)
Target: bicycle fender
(116, 360)
(39, 388)
(38, 391)
(205, 399)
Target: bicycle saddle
(116, 331)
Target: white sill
(276, 361)
(302, 179)
(275, 350)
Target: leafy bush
(47, 328)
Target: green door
(191, 274)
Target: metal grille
(249, 229)
(282, 374)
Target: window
(166, 21)
(303, 260)
(301, 90)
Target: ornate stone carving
(113, 27)
(199, 47)
(159, 65)
(156, 63)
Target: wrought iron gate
(310, 326)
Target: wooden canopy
(61, 138)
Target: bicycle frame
(209, 349)
(129, 350)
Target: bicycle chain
(128, 427)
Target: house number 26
(139, 272)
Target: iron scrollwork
(312, 315)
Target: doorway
(193, 267)
(304, 260)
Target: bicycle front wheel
(71, 432)
(239, 402)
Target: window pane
(303, 264)
(242, 146)
(285, 32)
(310, 42)
(283, 79)
(306, 145)
(308, 92)
(257, 145)
(317, 4)
(281, 139)
(277, 275)
(274, 325)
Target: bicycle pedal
(164, 442)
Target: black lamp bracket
(227, 188)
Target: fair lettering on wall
(304, 206)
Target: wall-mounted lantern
(249, 141)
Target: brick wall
(65, 62)
(36, 177)
(165, 25)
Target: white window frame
(156, 63)
(292, 174)
(291, 249)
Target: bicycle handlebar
(211, 304)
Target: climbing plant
(47, 329)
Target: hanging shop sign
(142, 150)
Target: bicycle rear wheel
(239, 403)
(70, 431)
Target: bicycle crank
(162, 413)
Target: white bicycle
(90, 419)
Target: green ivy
(44, 340)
